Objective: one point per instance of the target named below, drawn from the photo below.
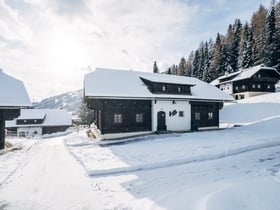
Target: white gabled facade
(181, 121)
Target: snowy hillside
(233, 168)
(70, 101)
(266, 98)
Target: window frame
(118, 118)
(139, 118)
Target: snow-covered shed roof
(12, 92)
(53, 117)
(242, 74)
(109, 83)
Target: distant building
(249, 82)
(37, 122)
(13, 97)
(130, 101)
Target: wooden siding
(252, 86)
(29, 121)
(6, 114)
(166, 88)
(106, 109)
(54, 129)
(262, 81)
(204, 109)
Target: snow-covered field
(233, 168)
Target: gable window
(210, 115)
(268, 86)
(181, 113)
(139, 118)
(179, 89)
(163, 88)
(197, 115)
(117, 118)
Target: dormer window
(179, 89)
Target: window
(253, 86)
(268, 86)
(179, 89)
(117, 118)
(181, 113)
(259, 76)
(243, 87)
(139, 118)
(259, 86)
(163, 88)
(210, 115)
(197, 116)
(236, 88)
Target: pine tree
(271, 52)
(206, 71)
(232, 49)
(182, 67)
(214, 65)
(195, 64)
(189, 64)
(85, 115)
(277, 25)
(246, 47)
(258, 29)
(155, 68)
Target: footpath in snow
(47, 177)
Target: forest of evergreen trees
(243, 46)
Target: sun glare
(66, 51)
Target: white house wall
(30, 131)
(226, 87)
(173, 123)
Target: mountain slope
(70, 101)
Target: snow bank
(266, 98)
(248, 112)
(175, 150)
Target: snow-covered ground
(233, 168)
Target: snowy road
(48, 178)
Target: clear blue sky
(51, 44)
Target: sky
(51, 44)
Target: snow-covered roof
(109, 83)
(242, 74)
(53, 117)
(12, 92)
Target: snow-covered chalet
(37, 122)
(131, 101)
(249, 82)
(13, 97)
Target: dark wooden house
(131, 101)
(37, 122)
(13, 97)
(249, 82)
